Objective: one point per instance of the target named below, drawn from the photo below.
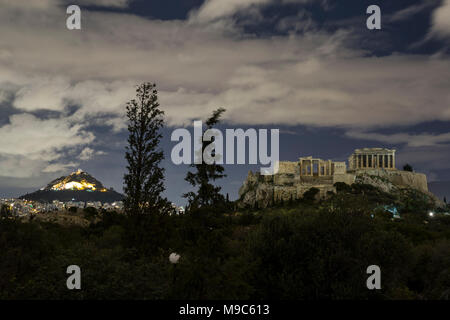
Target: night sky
(308, 67)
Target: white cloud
(105, 3)
(42, 93)
(441, 20)
(59, 167)
(411, 140)
(88, 153)
(51, 4)
(31, 5)
(28, 145)
(216, 9)
(316, 78)
(412, 10)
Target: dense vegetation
(299, 250)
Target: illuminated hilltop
(78, 180)
(79, 186)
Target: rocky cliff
(387, 179)
(263, 190)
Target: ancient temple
(315, 167)
(372, 158)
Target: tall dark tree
(208, 194)
(144, 181)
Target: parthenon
(372, 158)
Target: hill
(77, 186)
(285, 186)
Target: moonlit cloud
(105, 3)
(411, 140)
(215, 9)
(29, 145)
(412, 10)
(61, 82)
(441, 20)
(88, 153)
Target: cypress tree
(207, 195)
(144, 181)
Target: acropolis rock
(375, 166)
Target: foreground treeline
(302, 250)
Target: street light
(174, 257)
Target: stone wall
(289, 167)
(347, 178)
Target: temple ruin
(294, 178)
(372, 158)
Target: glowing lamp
(174, 257)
